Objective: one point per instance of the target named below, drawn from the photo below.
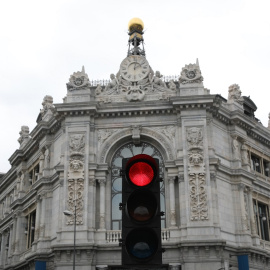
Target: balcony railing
(113, 236)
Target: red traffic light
(141, 170)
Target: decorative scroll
(196, 169)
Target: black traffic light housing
(141, 217)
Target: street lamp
(68, 213)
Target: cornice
(5, 181)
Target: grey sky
(43, 42)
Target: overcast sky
(43, 42)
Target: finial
(197, 61)
(135, 28)
(83, 71)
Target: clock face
(134, 68)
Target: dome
(135, 23)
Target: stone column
(19, 232)
(251, 213)
(42, 215)
(242, 205)
(172, 202)
(10, 241)
(13, 234)
(92, 202)
(38, 217)
(182, 199)
(102, 183)
(2, 248)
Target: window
(256, 163)
(33, 174)
(266, 166)
(126, 151)
(30, 228)
(262, 219)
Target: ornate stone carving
(76, 165)
(198, 197)
(76, 176)
(235, 148)
(245, 217)
(244, 154)
(77, 143)
(135, 93)
(47, 158)
(121, 89)
(113, 85)
(79, 80)
(24, 136)
(157, 80)
(197, 181)
(191, 74)
(195, 158)
(136, 134)
(41, 162)
(168, 131)
(48, 108)
(234, 94)
(172, 85)
(104, 134)
(194, 137)
(99, 90)
(75, 192)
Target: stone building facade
(214, 158)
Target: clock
(134, 68)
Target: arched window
(127, 151)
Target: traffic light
(141, 216)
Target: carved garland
(196, 173)
(76, 177)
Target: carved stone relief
(79, 80)
(120, 89)
(48, 108)
(77, 143)
(168, 131)
(235, 148)
(191, 74)
(24, 136)
(76, 177)
(234, 94)
(194, 137)
(196, 174)
(104, 134)
(198, 197)
(244, 154)
(75, 195)
(245, 221)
